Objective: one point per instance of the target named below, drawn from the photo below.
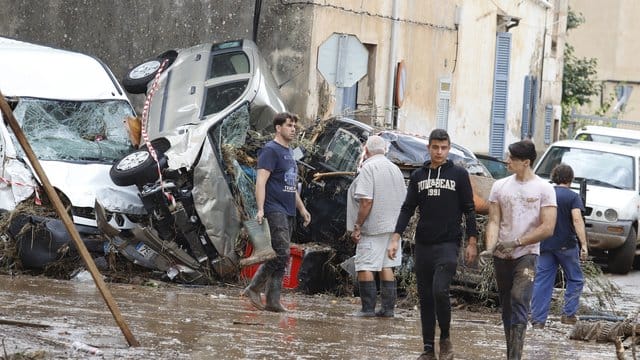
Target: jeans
(514, 278)
(546, 271)
(281, 228)
(435, 267)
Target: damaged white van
(72, 111)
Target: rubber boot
(274, 287)
(257, 284)
(507, 338)
(516, 335)
(388, 294)
(368, 293)
(260, 238)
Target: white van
(608, 135)
(72, 111)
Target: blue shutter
(526, 108)
(548, 119)
(534, 105)
(500, 92)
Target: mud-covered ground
(173, 322)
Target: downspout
(256, 19)
(392, 66)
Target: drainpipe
(392, 65)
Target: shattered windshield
(75, 130)
(597, 167)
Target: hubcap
(132, 161)
(144, 69)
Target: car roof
(612, 148)
(610, 131)
(37, 71)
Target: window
(220, 96)
(343, 151)
(229, 64)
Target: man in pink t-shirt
(522, 212)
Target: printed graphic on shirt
(290, 180)
(433, 186)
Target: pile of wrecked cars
(176, 200)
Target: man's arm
(303, 210)
(261, 190)
(493, 226)
(544, 230)
(578, 224)
(363, 212)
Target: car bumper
(607, 235)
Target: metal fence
(576, 121)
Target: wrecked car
(71, 110)
(213, 106)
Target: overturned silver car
(213, 104)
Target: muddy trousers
(514, 278)
(435, 268)
(271, 272)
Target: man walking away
(561, 249)
(442, 191)
(374, 201)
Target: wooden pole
(57, 204)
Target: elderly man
(374, 201)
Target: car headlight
(611, 215)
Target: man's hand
(355, 234)
(584, 254)
(306, 216)
(471, 252)
(394, 244)
(508, 246)
(260, 216)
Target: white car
(608, 135)
(613, 195)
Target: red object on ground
(290, 280)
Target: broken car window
(343, 151)
(221, 96)
(229, 64)
(75, 130)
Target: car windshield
(597, 167)
(75, 130)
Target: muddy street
(173, 322)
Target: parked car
(608, 135)
(497, 167)
(212, 110)
(71, 110)
(612, 204)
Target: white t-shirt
(520, 204)
(381, 180)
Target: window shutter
(500, 95)
(526, 108)
(444, 96)
(548, 119)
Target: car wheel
(137, 168)
(136, 80)
(621, 259)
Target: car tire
(621, 259)
(137, 168)
(139, 76)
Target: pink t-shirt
(520, 204)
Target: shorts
(371, 253)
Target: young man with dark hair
(561, 249)
(277, 199)
(442, 191)
(522, 212)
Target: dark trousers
(514, 278)
(281, 228)
(435, 268)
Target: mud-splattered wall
(122, 33)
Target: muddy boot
(516, 337)
(507, 338)
(368, 293)
(252, 291)
(388, 296)
(260, 238)
(446, 350)
(274, 287)
(429, 354)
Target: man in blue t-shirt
(561, 249)
(277, 199)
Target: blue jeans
(547, 267)
(514, 278)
